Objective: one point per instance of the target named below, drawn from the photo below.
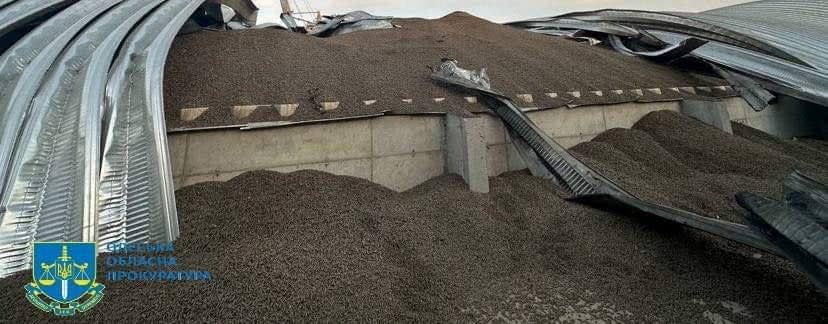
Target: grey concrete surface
(466, 150)
(711, 112)
(401, 152)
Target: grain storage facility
(610, 165)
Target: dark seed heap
(265, 67)
(310, 246)
(676, 160)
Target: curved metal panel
(4, 3)
(24, 67)
(136, 198)
(684, 25)
(16, 14)
(773, 73)
(667, 53)
(795, 26)
(541, 24)
(53, 186)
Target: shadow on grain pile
(310, 246)
(678, 161)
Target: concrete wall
(788, 118)
(398, 152)
(401, 152)
(568, 127)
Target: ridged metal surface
(136, 198)
(4, 3)
(797, 27)
(555, 157)
(568, 171)
(754, 94)
(667, 53)
(682, 24)
(781, 44)
(27, 63)
(24, 64)
(807, 195)
(53, 184)
(782, 76)
(18, 13)
(580, 180)
(547, 25)
(800, 238)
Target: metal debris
(798, 236)
(780, 44)
(349, 23)
(583, 183)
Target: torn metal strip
(666, 54)
(732, 231)
(550, 24)
(530, 158)
(773, 73)
(581, 181)
(799, 237)
(349, 23)
(570, 173)
(645, 20)
(136, 198)
(754, 94)
(808, 196)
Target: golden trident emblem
(64, 268)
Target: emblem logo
(64, 278)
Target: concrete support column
(711, 112)
(465, 151)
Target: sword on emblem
(64, 271)
(64, 289)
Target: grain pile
(309, 246)
(267, 66)
(678, 161)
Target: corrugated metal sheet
(19, 13)
(27, 63)
(56, 82)
(782, 44)
(795, 26)
(136, 202)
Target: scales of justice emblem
(64, 273)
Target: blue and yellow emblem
(64, 274)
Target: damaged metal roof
(782, 44)
(800, 28)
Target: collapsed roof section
(781, 44)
